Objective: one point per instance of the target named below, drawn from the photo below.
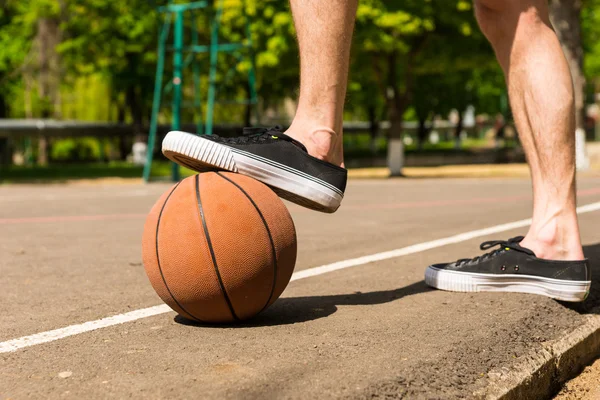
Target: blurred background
(79, 79)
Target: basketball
(219, 247)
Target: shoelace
(258, 134)
(255, 135)
(513, 244)
(251, 135)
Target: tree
(118, 40)
(391, 39)
(566, 19)
(31, 35)
(12, 55)
(590, 23)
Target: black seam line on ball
(210, 248)
(158, 258)
(274, 252)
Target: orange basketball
(219, 247)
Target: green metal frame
(174, 14)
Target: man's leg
(541, 94)
(304, 164)
(324, 29)
(549, 260)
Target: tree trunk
(458, 130)
(249, 107)
(248, 115)
(43, 143)
(566, 19)
(373, 128)
(135, 108)
(124, 146)
(3, 105)
(395, 143)
(3, 108)
(48, 37)
(395, 100)
(422, 132)
(397, 103)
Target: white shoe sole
(202, 155)
(457, 281)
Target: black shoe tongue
(524, 250)
(275, 133)
(291, 140)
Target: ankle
(321, 142)
(557, 238)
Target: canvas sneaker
(513, 268)
(267, 155)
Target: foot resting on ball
(267, 155)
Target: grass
(64, 172)
(359, 146)
(57, 172)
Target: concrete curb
(541, 374)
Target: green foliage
(426, 56)
(590, 24)
(76, 150)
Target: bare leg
(324, 30)
(542, 100)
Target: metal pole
(160, 65)
(251, 72)
(196, 77)
(177, 76)
(212, 77)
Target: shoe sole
(456, 281)
(203, 155)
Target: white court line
(56, 334)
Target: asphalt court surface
(71, 254)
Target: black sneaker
(513, 268)
(267, 155)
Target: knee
(500, 19)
